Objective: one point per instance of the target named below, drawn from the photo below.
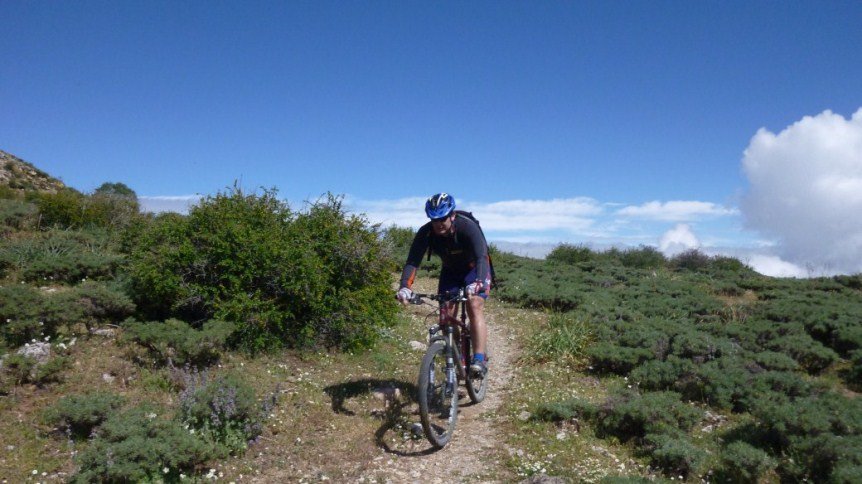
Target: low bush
(742, 462)
(16, 215)
(140, 445)
(773, 360)
(674, 453)
(722, 383)
(28, 313)
(78, 415)
(610, 358)
(100, 302)
(690, 260)
(175, 342)
(673, 373)
(574, 408)
(809, 353)
(644, 257)
(632, 415)
(854, 374)
(223, 411)
(61, 256)
(20, 369)
(68, 208)
(570, 254)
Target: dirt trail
(477, 450)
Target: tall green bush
(317, 277)
(69, 208)
(570, 254)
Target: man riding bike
(460, 243)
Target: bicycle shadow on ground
(398, 399)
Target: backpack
(469, 215)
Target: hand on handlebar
(404, 295)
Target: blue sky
(613, 122)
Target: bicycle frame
(453, 331)
(449, 341)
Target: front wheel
(438, 395)
(476, 386)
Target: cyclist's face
(442, 226)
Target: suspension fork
(451, 371)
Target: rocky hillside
(21, 175)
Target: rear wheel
(438, 396)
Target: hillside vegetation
(140, 347)
(711, 371)
(242, 272)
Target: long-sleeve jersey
(460, 251)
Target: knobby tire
(438, 410)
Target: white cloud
(173, 203)
(806, 191)
(675, 211)
(677, 240)
(770, 265)
(570, 214)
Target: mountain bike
(444, 365)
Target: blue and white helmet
(439, 206)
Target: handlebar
(451, 296)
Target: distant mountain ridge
(21, 175)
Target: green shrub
(177, 342)
(49, 372)
(26, 313)
(723, 383)
(663, 375)
(570, 254)
(313, 278)
(18, 368)
(100, 302)
(694, 345)
(138, 445)
(62, 256)
(22, 369)
(644, 257)
(223, 411)
(674, 453)
(631, 415)
(16, 215)
(810, 354)
(854, 374)
(565, 338)
(574, 408)
(78, 415)
(724, 264)
(742, 462)
(825, 457)
(397, 241)
(772, 360)
(68, 208)
(607, 357)
(690, 260)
